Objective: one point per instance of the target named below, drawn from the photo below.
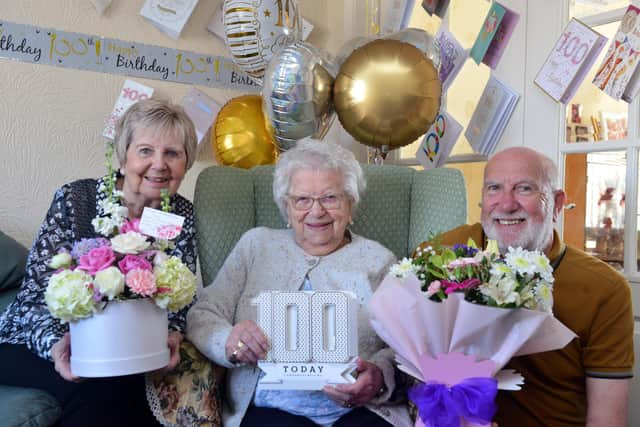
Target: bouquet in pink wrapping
(455, 317)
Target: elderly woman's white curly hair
(310, 154)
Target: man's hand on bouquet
(368, 385)
(246, 343)
(61, 355)
(173, 342)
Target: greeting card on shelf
(169, 16)
(494, 35)
(491, 116)
(568, 63)
(437, 144)
(131, 93)
(313, 336)
(452, 56)
(435, 7)
(616, 76)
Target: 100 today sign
(314, 338)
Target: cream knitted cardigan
(268, 259)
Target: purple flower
(464, 250)
(83, 246)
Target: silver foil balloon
(297, 93)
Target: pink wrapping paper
(416, 327)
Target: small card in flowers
(159, 224)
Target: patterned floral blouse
(27, 319)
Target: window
(600, 154)
(464, 20)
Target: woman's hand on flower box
(61, 355)
(246, 343)
(367, 387)
(174, 341)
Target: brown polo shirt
(594, 301)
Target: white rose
(63, 259)
(131, 242)
(109, 282)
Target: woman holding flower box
(155, 143)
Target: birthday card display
(494, 35)
(435, 7)
(437, 144)
(452, 56)
(313, 336)
(491, 116)
(131, 93)
(169, 16)
(616, 76)
(568, 63)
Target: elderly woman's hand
(369, 383)
(246, 343)
(61, 355)
(173, 342)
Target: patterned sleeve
(186, 251)
(29, 307)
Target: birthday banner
(85, 52)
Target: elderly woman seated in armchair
(317, 187)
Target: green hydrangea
(69, 295)
(176, 284)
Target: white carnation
(109, 282)
(129, 243)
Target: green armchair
(401, 208)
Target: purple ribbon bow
(442, 406)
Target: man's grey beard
(535, 237)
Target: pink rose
(142, 282)
(96, 259)
(132, 262)
(130, 225)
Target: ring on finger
(239, 345)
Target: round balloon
(296, 93)
(256, 29)
(241, 137)
(387, 93)
(420, 39)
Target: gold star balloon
(241, 137)
(387, 93)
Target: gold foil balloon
(256, 29)
(296, 93)
(240, 136)
(387, 93)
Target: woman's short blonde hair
(310, 154)
(159, 115)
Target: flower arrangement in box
(115, 291)
(456, 316)
(127, 265)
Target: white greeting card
(437, 144)
(169, 16)
(313, 336)
(568, 63)
(131, 93)
(201, 109)
(490, 118)
(160, 224)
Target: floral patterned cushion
(188, 396)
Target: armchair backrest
(400, 208)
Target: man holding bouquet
(586, 382)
